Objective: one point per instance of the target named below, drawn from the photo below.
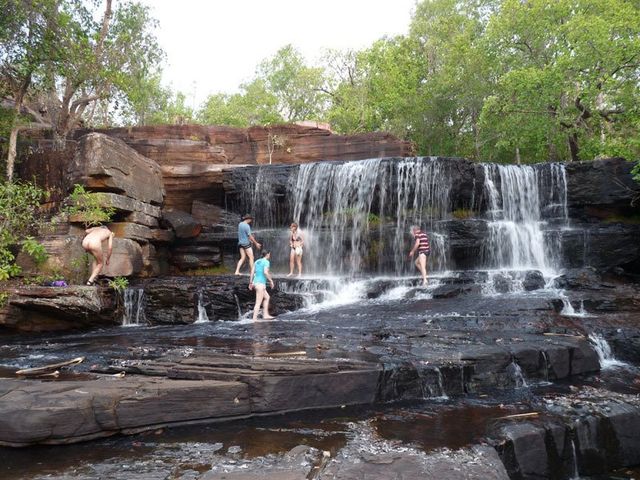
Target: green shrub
(87, 207)
(20, 217)
(119, 284)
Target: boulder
(103, 163)
(182, 223)
(38, 309)
(126, 259)
(533, 280)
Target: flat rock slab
(277, 385)
(479, 463)
(70, 411)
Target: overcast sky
(214, 45)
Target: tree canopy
(492, 80)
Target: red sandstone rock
(103, 163)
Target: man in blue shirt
(245, 239)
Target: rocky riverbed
(374, 376)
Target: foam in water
(603, 349)
(133, 313)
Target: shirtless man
(92, 243)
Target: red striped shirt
(423, 245)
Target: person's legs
(265, 306)
(422, 266)
(249, 252)
(97, 262)
(243, 256)
(299, 263)
(292, 259)
(260, 291)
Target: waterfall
(575, 473)
(355, 216)
(344, 206)
(516, 237)
(133, 313)
(518, 375)
(202, 312)
(603, 349)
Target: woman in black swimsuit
(296, 242)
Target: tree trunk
(518, 155)
(11, 157)
(574, 149)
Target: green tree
(27, 40)
(297, 87)
(254, 105)
(567, 78)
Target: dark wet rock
(465, 241)
(39, 309)
(603, 246)
(175, 300)
(600, 182)
(525, 452)
(182, 223)
(579, 279)
(450, 291)
(589, 433)
(502, 283)
(533, 280)
(67, 412)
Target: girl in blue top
(258, 280)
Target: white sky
(214, 45)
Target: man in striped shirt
(423, 248)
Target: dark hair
(265, 253)
(247, 216)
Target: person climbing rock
(258, 281)
(92, 243)
(423, 248)
(245, 239)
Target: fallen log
(48, 368)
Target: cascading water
(202, 311)
(355, 216)
(344, 208)
(603, 349)
(133, 313)
(516, 237)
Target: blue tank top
(260, 266)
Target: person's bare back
(92, 243)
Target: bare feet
(268, 318)
(288, 275)
(238, 273)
